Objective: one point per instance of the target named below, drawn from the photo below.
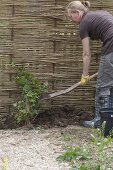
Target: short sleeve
(83, 30)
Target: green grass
(95, 154)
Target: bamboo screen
(35, 33)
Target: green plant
(75, 154)
(5, 163)
(31, 90)
(96, 155)
(103, 148)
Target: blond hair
(78, 5)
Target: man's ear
(78, 12)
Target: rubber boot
(93, 123)
(96, 123)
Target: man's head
(76, 9)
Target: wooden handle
(70, 88)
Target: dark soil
(61, 117)
(53, 117)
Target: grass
(95, 153)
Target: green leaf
(31, 90)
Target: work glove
(85, 80)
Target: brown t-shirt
(98, 25)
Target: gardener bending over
(95, 25)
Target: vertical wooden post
(11, 55)
(54, 50)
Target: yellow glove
(84, 80)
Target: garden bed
(62, 117)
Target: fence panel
(36, 33)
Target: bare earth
(37, 149)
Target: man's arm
(86, 56)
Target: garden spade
(58, 93)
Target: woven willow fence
(35, 33)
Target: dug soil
(62, 117)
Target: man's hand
(85, 80)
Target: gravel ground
(35, 149)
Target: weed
(97, 155)
(5, 165)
